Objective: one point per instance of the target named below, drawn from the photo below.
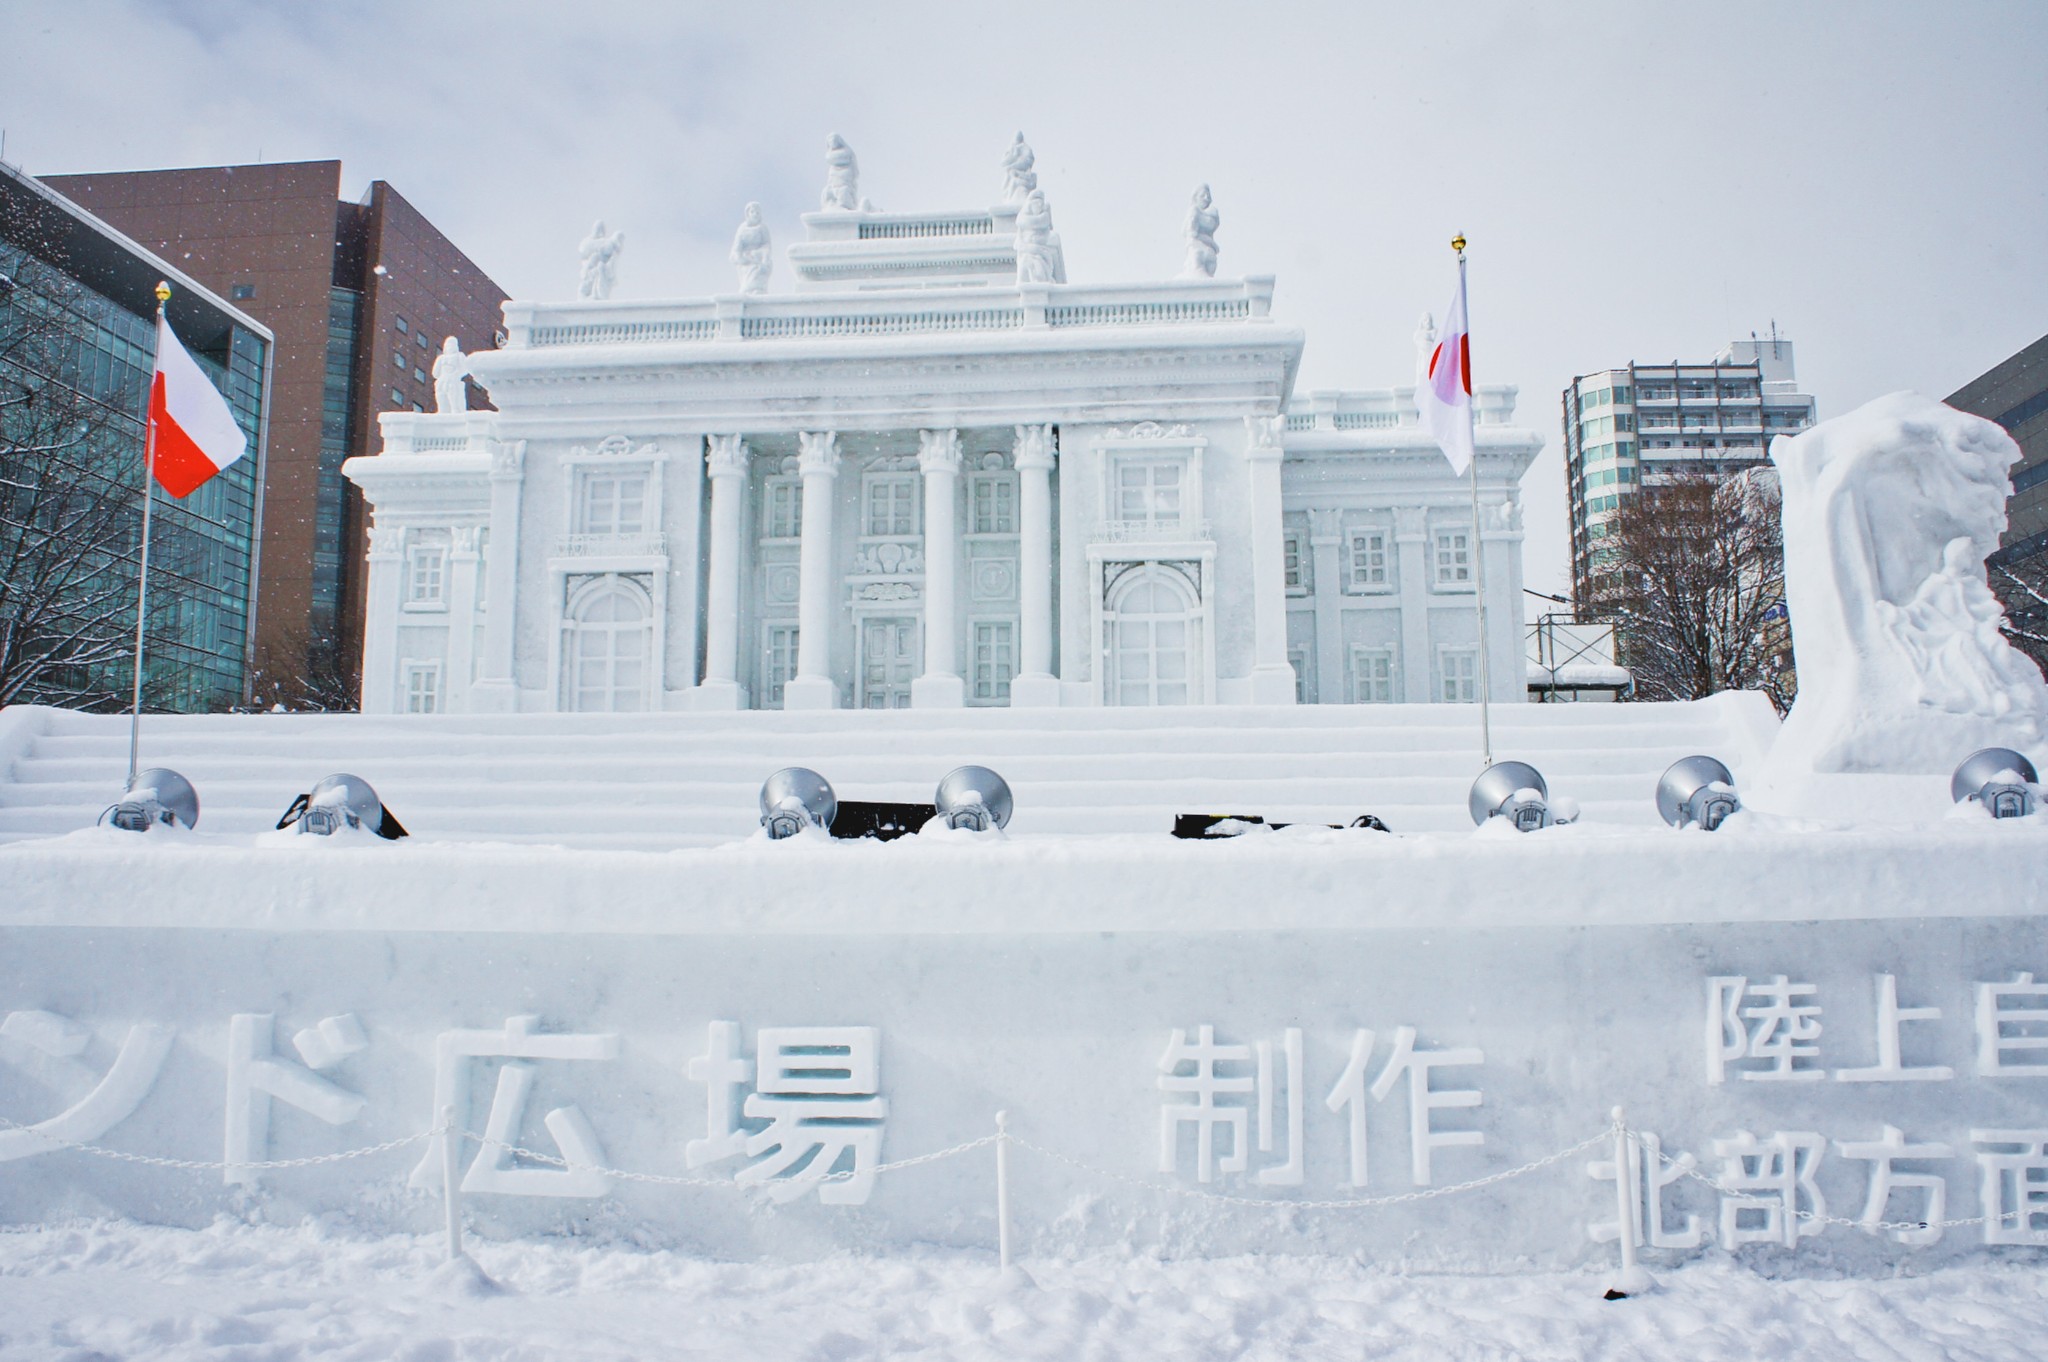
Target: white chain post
(451, 1191)
(1634, 1279)
(1003, 1190)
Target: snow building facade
(933, 475)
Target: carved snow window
(422, 687)
(993, 497)
(1457, 676)
(612, 503)
(1297, 658)
(1149, 491)
(1453, 559)
(778, 664)
(1372, 676)
(995, 661)
(426, 576)
(891, 503)
(1369, 566)
(782, 508)
(1295, 551)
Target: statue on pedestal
(451, 367)
(752, 252)
(842, 176)
(1039, 259)
(600, 256)
(1201, 234)
(1019, 179)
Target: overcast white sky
(1640, 180)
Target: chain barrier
(57, 1142)
(663, 1179)
(1809, 1216)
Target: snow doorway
(607, 646)
(1152, 640)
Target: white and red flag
(1443, 399)
(192, 433)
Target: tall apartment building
(1632, 427)
(360, 296)
(77, 349)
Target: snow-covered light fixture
(793, 799)
(1696, 792)
(158, 795)
(1513, 790)
(1999, 778)
(341, 801)
(975, 798)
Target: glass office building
(77, 349)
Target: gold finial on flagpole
(163, 291)
(1458, 243)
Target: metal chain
(1354, 1203)
(625, 1175)
(1797, 1214)
(208, 1166)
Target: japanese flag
(192, 434)
(1443, 399)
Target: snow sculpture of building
(919, 482)
(1889, 513)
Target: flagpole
(1478, 533)
(163, 295)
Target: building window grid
(613, 504)
(994, 661)
(892, 504)
(779, 663)
(426, 575)
(1372, 675)
(1453, 558)
(993, 498)
(1296, 562)
(782, 508)
(1149, 491)
(1458, 676)
(422, 687)
(1370, 568)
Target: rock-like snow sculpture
(842, 176)
(451, 366)
(1201, 234)
(1888, 515)
(753, 252)
(599, 253)
(1019, 179)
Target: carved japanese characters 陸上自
(1201, 235)
(842, 176)
(1019, 179)
(451, 367)
(1888, 514)
(1038, 246)
(599, 253)
(752, 251)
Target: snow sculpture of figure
(600, 256)
(1201, 234)
(842, 176)
(1019, 179)
(1425, 346)
(1888, 515)
(752, 252)
(451, 366)
(1039, 258)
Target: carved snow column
(726, 465)
(380, 624)
(1411, 542)
(941, 687)
(463, 561)
(1326, 540)
(1272, 676)
(1033, 456)
(496, 691)
(812, 686)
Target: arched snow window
(1152, 636)
(608, 646)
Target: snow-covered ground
(97, 1290)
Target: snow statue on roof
(600, 256)
(1201, 234)
(1888, 515)
(842, 176)
(451, 366)
(1019, 179)
(1425, 346)
(752, 251)
(1039, 258)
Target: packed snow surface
(97, 1290)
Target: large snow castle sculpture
(1888, 515)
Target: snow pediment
(616, 449)
(862, 249)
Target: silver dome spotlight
(1999, 778)
(158, 795)
(1513, 790)
(975, 798)
(1696, 792)
(341, 801)
(793, 799)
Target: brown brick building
(359, 297)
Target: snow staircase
(658, 781)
